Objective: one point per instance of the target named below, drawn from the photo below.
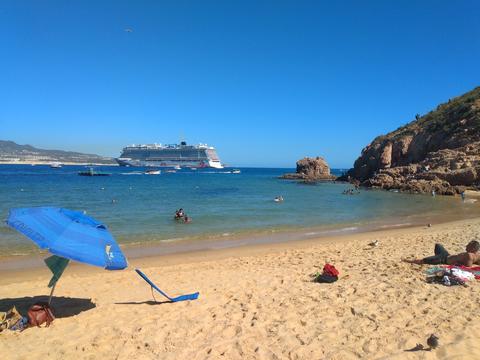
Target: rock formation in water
(311, 170)
(439, 151)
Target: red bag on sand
(330, 270)
(40, 313)
(329, 274)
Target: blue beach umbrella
(68, 235)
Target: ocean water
(139, 208)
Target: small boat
(91, 172)
(193, 168)
(55, 165)
(236, 171)
(177, 167)
(171, 171)
(152, 172)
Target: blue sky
(266, 82)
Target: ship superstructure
(175, 155)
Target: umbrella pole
(51, 293)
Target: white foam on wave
(346, 229)
(171, 240)
(333, 231)
(394, 225)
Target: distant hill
(12, 153)
(439, 151)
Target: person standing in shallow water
(468, 258)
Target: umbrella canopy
(69, 234)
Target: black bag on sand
(324, 278)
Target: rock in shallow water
(311, 169)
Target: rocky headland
(439, 152)
(12, 153)
(311, 170)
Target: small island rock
(311, 170)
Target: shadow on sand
(62, 306)
(148, 302)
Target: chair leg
(151, 288)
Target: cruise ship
(158, 155)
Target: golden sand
(259, 302)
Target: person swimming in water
(179, 214)
(468, 258)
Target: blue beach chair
(193, 296)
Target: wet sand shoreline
(22, 263)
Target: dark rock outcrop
(439, 151)
(311, 170)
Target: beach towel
(462, 274)
(474, 270)
(448, 276)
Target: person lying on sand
(468, 258)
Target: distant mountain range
(12, 153)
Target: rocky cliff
(438, 151)
(311, 169)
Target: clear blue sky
(266, 82)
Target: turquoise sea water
(220, 203)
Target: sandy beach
(258, 302)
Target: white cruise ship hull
(172, 164)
